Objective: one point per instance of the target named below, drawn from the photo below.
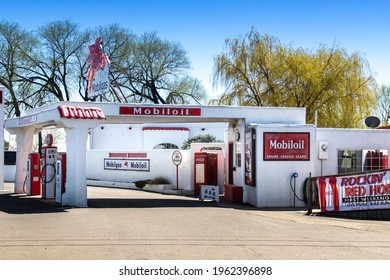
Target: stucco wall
(273, 187)
(161, 165)
(348, 139)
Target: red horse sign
(97, 74)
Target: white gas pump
(60, 176)
(48, 172)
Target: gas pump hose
(44, 177)
(293, 177)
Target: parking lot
(137, 225)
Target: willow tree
(259, 71)
(384, 104)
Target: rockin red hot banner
(354, 192)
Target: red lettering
(71, 112)
(355, 191)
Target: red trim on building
(165, 128)
(78, 112)
(128, 155)
(160, 111)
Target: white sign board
(101, 83)
(127, 164)
(177, 158)
(208, 192)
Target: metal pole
(310, 197)
(177, 177)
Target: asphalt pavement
(122, 224)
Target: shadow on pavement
(21, 204)
(145, 203)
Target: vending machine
(205, 170)
(48, 171)
(33, 180)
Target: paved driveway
(131, 224)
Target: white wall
(132, 136)
(155, 137)
(348, 139)
(161, 165)
(273, 177)
(117, 136)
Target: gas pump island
(46, 174)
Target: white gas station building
(267, 152)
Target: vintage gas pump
(33, 180)
(60, 176)
(48, 172)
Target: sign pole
(177, 177)
(177, 158)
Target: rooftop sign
(160, 111)
(78, 112)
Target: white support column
(76, 160)
(76, 182)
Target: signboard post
(177, 158)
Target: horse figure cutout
(97, 60)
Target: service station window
(361, 160)
(165, 146)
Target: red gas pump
(60, 176)
(33, 180)
(205, 170)
(48, 172)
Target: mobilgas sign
(286, 146)
(160, 111)
(127, 164)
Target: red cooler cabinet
(205, 170)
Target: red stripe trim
(165, 128)
(128, 155)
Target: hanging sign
(97, 75)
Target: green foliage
(155, 181)
(205, 138)
(141, 183)
(259, 71)
(384, 104)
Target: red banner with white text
(366, 191)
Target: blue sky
(201, 26)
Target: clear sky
(201, 26)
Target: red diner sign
(78, 112)
(160, 111)
(286, 146)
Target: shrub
(159, 181)
(141, 183)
